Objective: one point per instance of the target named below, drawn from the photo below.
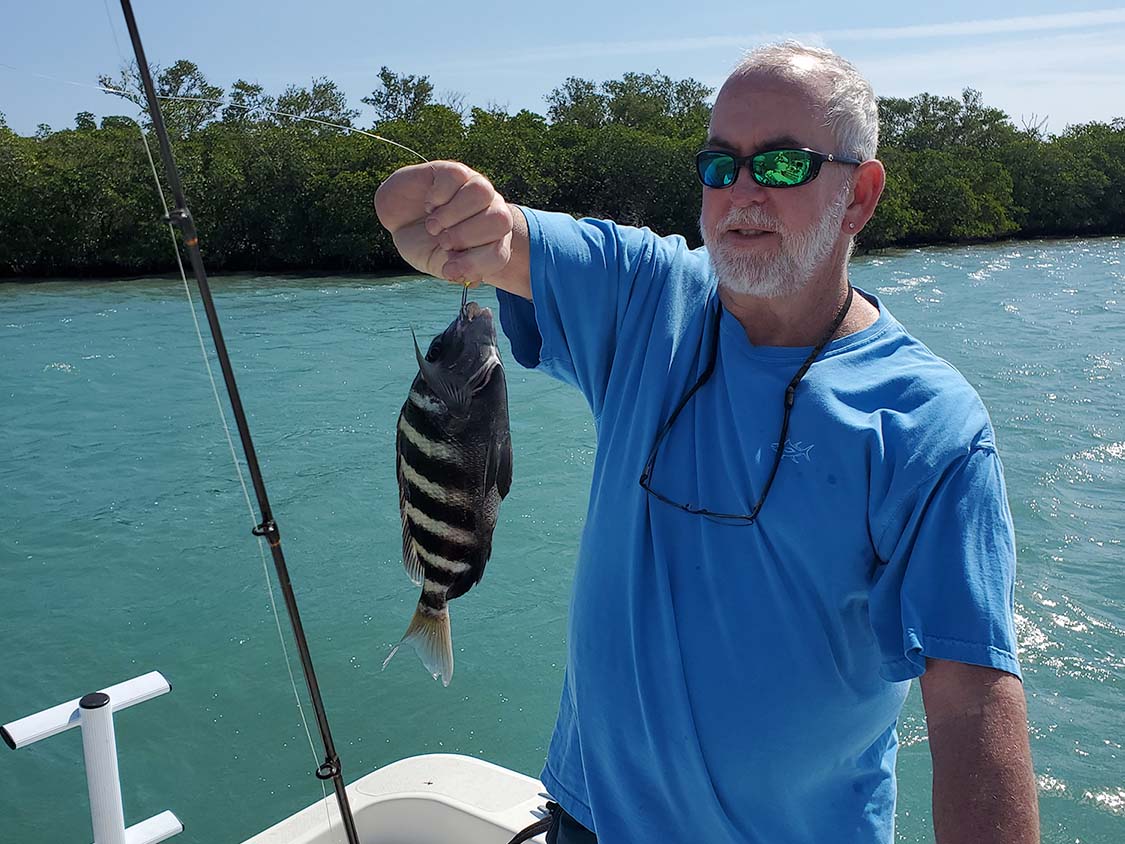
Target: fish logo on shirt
(795, 451)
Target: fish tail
(430, 637)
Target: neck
(802, 318)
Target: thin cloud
(998, 26)
(606, 49)
(1073, 78)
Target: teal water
(124, 541)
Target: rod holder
(93, 714)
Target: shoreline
(405, 272)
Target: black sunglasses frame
(816, 158)
(790, 399)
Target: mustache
(752, 216)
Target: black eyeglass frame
(817, 159)
(789, 400)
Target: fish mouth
(471, 310)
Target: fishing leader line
(219, 407)
(237, 468)
(226, 431)
(180, 217)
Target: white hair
(851, 112)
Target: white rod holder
(51, 722)
(99, 745)
(94, 714)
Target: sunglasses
(790, 398)
(774, 168)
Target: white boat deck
(439, 798)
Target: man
(821, 514)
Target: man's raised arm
(449, 222)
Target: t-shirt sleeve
(946, 588)
(583, 274)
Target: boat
(437, 798)
(433, 798)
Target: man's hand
(448, 221)
(984, 785)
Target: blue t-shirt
(741, 683)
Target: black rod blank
(180, 216)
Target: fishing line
(268, 528)
(234, 459)
(129, 95)
(230, 440)
(237, 463)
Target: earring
(851, 225)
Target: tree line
(272, 191)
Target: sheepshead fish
(454, 456)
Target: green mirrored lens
(782, 167)
(716, 169)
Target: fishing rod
(180, 216)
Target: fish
(795, 451)
(453, 454)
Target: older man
(820, 516)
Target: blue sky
(1027, 58)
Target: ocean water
(125, 546)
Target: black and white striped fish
(454, 456)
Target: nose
(745, 191)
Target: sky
(1027, 58)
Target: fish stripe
(438, 580)
(432, 601)
(428, 425)
(427, 404)
(445, 472)
(467, 519)
(436, 562)
(447, 496)
(431, 543)
(440, 529)
(433, 449)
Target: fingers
(448, 207)
(473, 266)
(447, 220)
(419, 249)
(486, 226)
(401, 198)
(479, 246)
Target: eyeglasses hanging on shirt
(788, 400)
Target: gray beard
(779, 275)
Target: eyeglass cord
(790, 398)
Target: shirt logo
(795, 451)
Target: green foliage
(189, 103)
(510, 151)
(323, 101)
(577, 102)
(650, 102)
(248, 103)
(399, 97)
(926, 122)
(270, 192)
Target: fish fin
(498, 466)
(410, 560)
(504, 467)
(455, 395)
(430, 637)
